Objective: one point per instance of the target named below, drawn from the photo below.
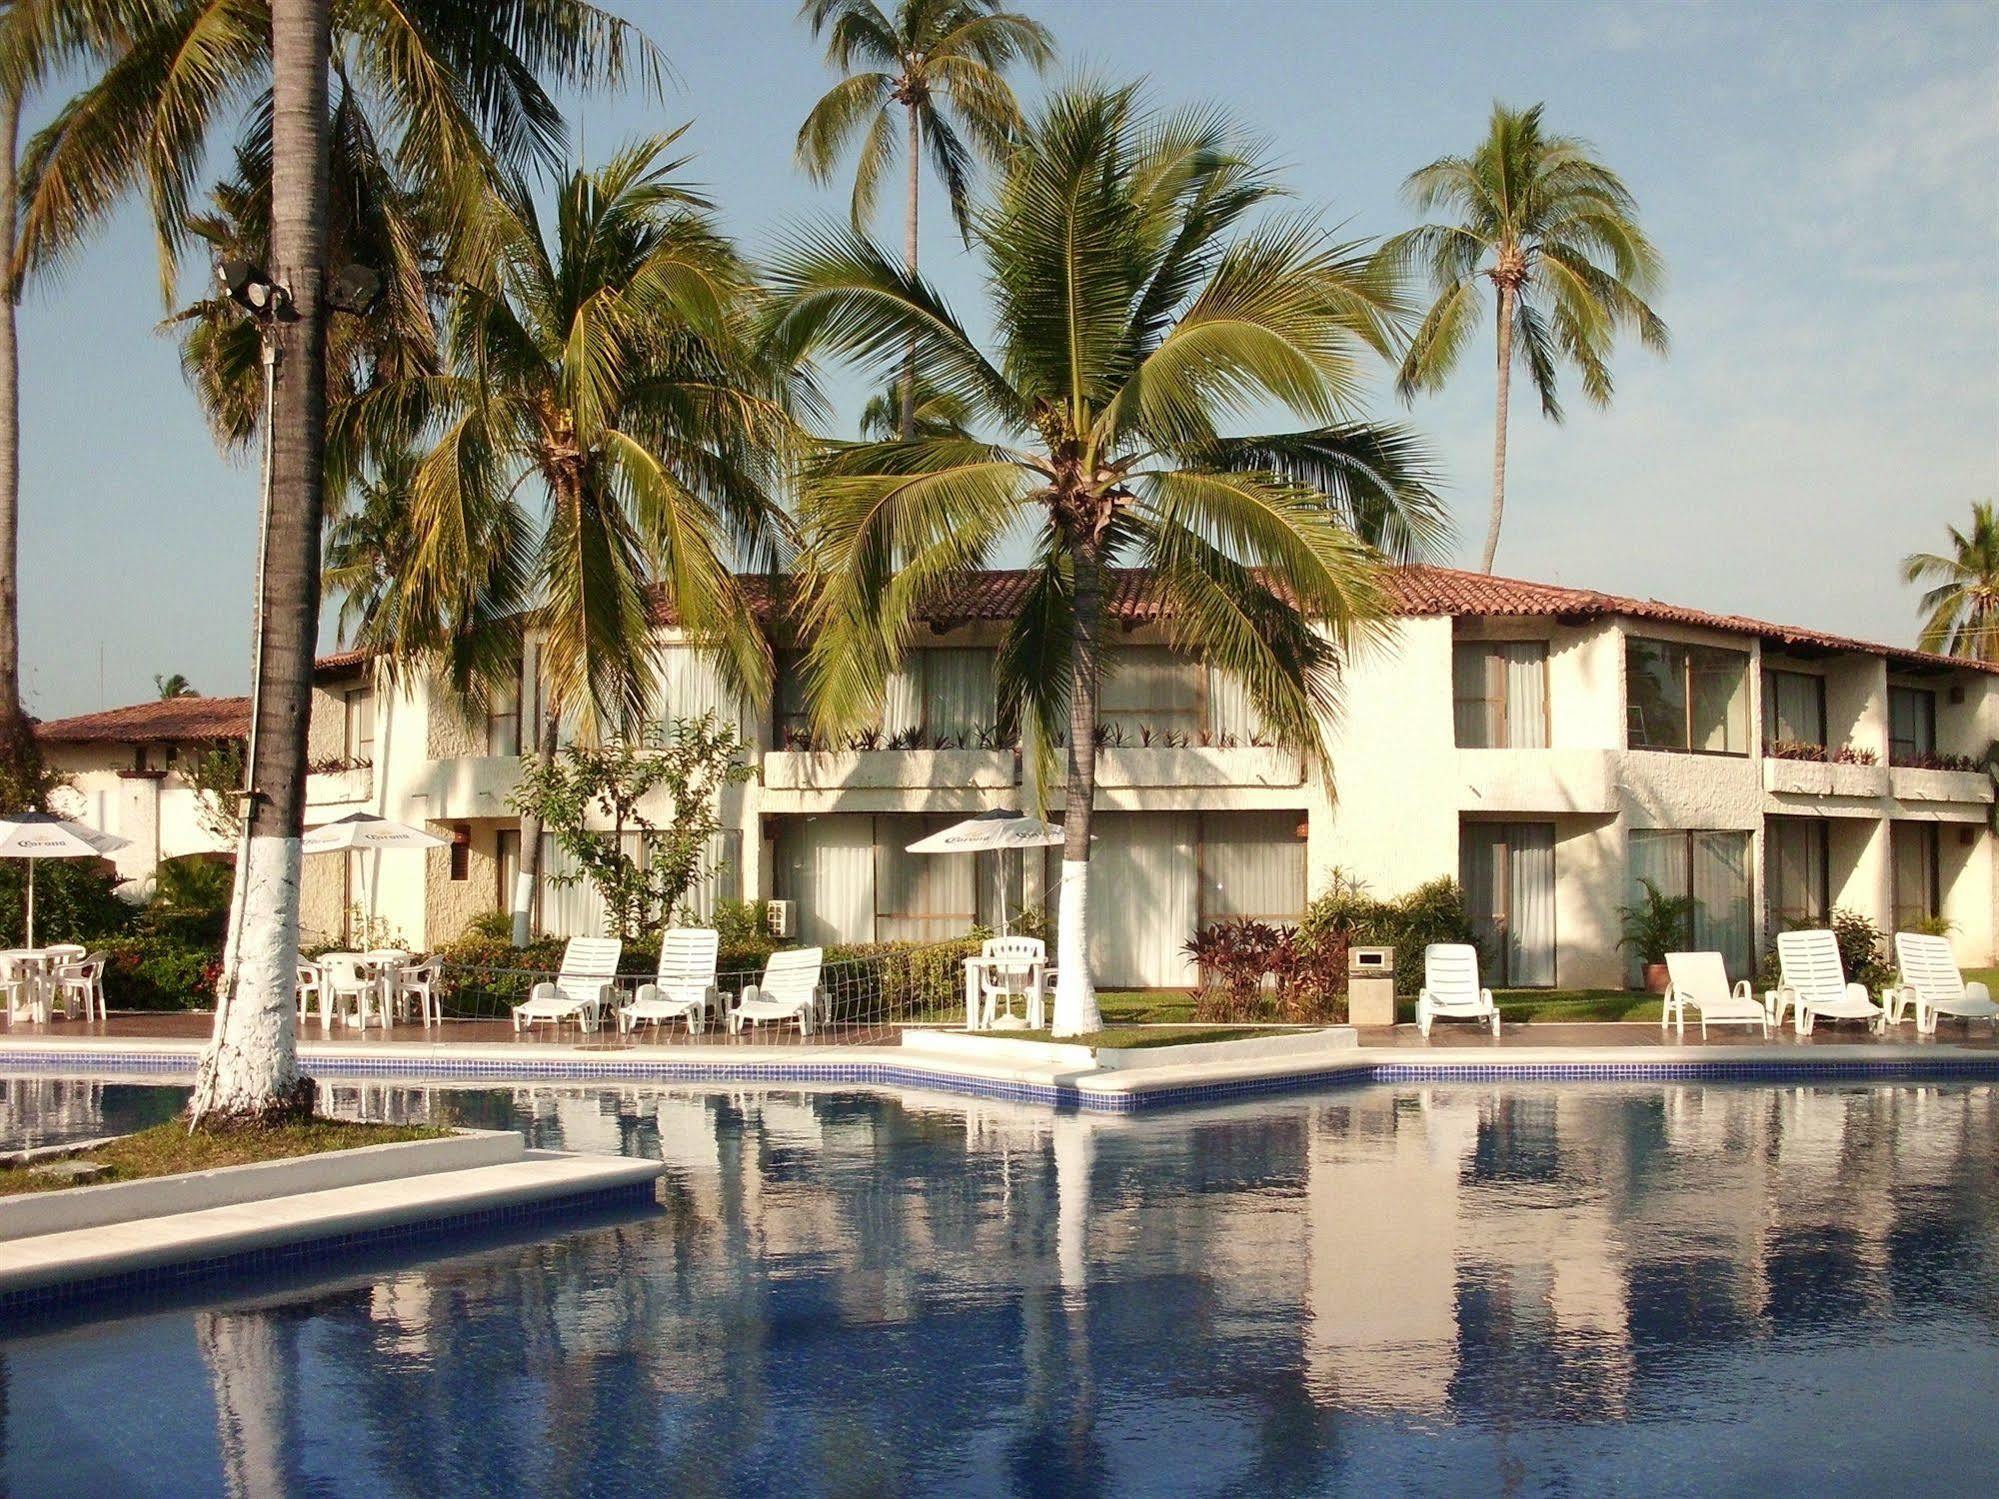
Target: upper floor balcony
(1539, 781)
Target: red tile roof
(153, 722)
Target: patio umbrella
(364, 832)
(39, 835)
(991, 832)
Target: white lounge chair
(1451, 989)
(1011, 968)
(1700, 979)
(789, 991)
(582, 991)
(685, 987)
(1814, 984)
(1931, 982)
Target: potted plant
(1655, 926)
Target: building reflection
(896, 1294)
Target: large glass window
(1152, 692)
(942, 698)
(1796, 863)
(855, 880)
(1912, 724)
(1713, 868)
(1508, 873)
(1500, 694)
(794, 717)
(503, 719)
(1686, 697)
(1252, 864)
(1793, 708)
(1912, 848)
(359, 734)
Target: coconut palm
(607, 363)
(1137, 317)
(173, 685)
(943, 62)
(1556, 233)
(1961, 610)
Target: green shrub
(194, 884)
(1863, 951)
(76, 900)
(1347, 915)
(154, 969)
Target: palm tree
(609, 362)
(173, 685)
(1136, 316)
(943, 62)
(1556, 233)
(1961, 612)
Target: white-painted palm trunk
(252, 1056)
(1075, 994)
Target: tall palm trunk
(15, 741)
(909, 264)
(1507, 294)
(250, 1070)
(1075, 993)
(528, 878)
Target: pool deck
(473, 1052)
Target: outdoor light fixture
(250, 286)
(354, 289)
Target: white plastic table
(975, 970)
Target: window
(359, 746)
(1713, 868)
(507, 865)
(1251, 864)
(503, 719)
(943, 694)
(1793, 708)
(1796, 863)
(1500, 694)
(794, 720)
(1507, 870)
(1912, 849)
(1686, 697)
(1152, 690)
(855, 880)
(461, 853)
(1912, 724)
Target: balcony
(889, 770)
(1539, 781)
(1907, 783)
(1820, 778)
(340, 786)
(1198, 765)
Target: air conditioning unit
(783, 918)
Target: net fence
(861, 999)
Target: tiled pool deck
(475, 1051)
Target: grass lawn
(168, 1149)
(1176, 1006)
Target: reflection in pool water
(1456, 1289)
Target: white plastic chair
(582, 991)
(418, 981)
(344, 978)
(1451, 989)
(1700, 979)
(1012, 968)
(82, 981)
(311, 991)
(23, 981)
(685, 986)
(789, 991)
(1932, 983)
(1814, 983)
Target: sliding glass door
(1508, 873)
(1711, 867)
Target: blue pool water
(1463, 1289)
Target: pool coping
(1090, 1088)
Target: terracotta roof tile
(161, 719)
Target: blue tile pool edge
(1929, 1066)
(313, 1250)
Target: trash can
(1371, 986)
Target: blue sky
(1823, 180)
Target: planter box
(1823, 778)
(888, 770)
(1199, 766)
(125, 1202)
(1908, 784)
(1538, 780)
(330, 788)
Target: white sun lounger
(1931, 982)
(1814, 983)
(789, 991)
(1700, 979)
(1451, 989)
(685, 987)
(582, 991)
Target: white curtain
(1660, 857)
(721, 876)
(1795, 858)
(1530, 948)
(1144, 900)
(827, 865)
(573, 910)
(902, 707)
(1499, 694)
(1252, 864)
(1720, 888)
(1151, 687)
(689, 685)
(1525, 666)
(1231, 715)
(958, 692)
(920, 897)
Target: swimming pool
(1454, 1289)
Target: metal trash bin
(1371, 986)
